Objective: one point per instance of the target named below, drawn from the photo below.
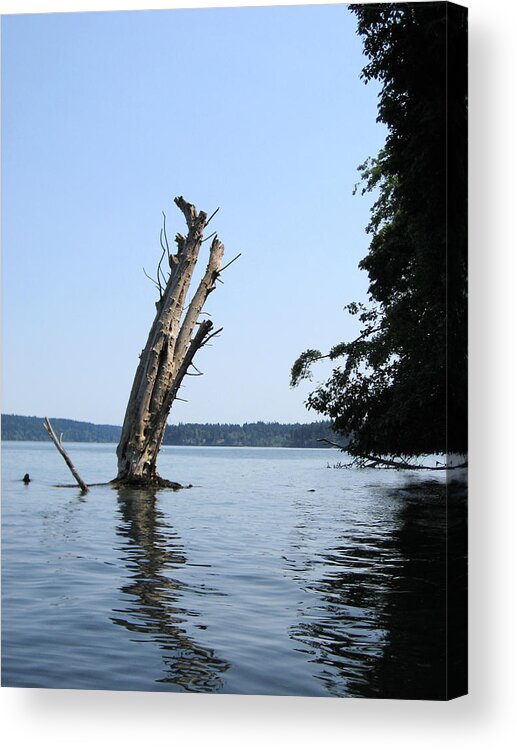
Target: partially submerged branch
(59, 445)
(368, 461)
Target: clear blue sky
(106, 117)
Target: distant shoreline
(248, 435)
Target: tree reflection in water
(153, 549)
(380, 626)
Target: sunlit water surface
(274, 574)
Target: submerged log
(170, 349)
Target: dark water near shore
(272, 575)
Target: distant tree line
(15, 427)
(256, 434)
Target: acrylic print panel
(293, 522)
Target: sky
(106, 116)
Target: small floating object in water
(26, 479)
(311, 490)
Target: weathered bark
(168, 353)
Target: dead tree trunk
(168, 353)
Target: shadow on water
(380, 628)
(153, 551)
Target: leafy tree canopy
(400, 388)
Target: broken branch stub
(169, 351)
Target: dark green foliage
(301, 368)
(403, 388)
(257, 434)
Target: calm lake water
(274, 574)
